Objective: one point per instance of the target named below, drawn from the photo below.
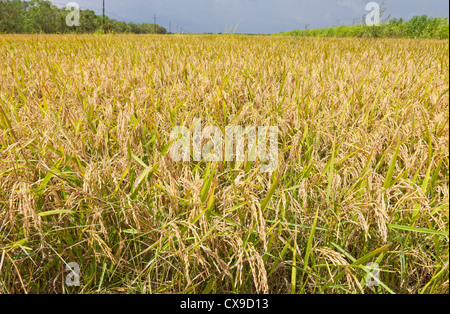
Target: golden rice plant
(85, 174)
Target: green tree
(42, 17)
(88, 21)
(12, 16)
(416, 26)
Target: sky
(254, 16)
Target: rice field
(362, 174)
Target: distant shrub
(418, 27)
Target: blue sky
(254, 16)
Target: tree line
(41, 16)
(418, 27)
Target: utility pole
(103, 19)
(154, 18)
(170, 29)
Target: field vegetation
(85, 174)
(418, 27)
